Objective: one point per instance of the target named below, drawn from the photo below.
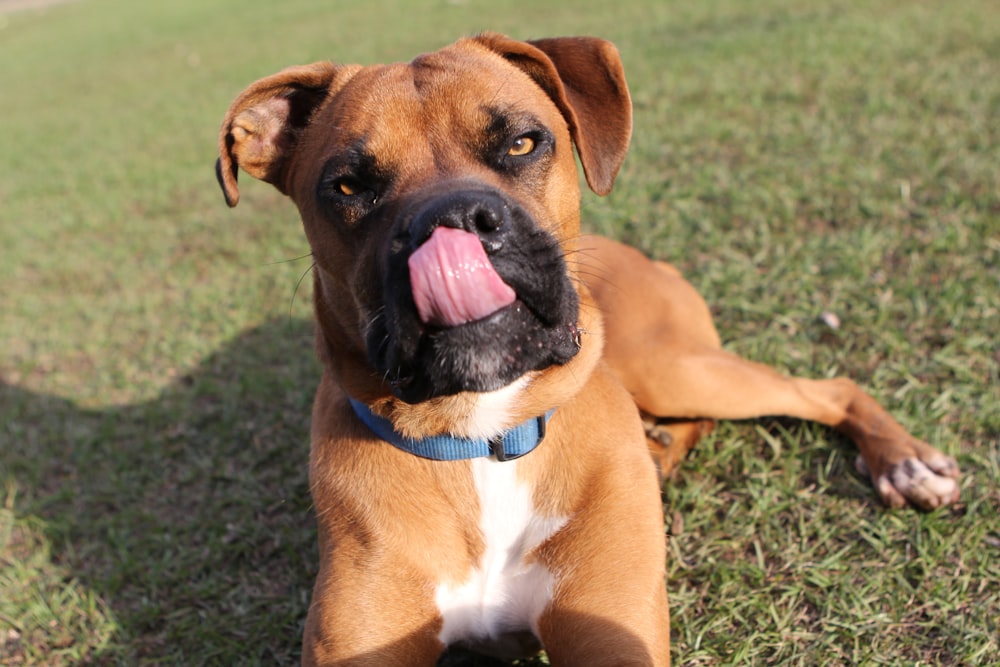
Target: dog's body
(456, 301)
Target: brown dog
(461, 319)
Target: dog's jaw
(483, 356)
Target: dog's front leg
(370, 620)
(610, 609)
(609, 601)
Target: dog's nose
(483, 213)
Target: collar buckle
(499, 451)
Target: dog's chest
(505, 592)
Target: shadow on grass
(188, 515)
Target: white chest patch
(493, 410)
(503, 594)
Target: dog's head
(441, 202)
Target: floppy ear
(264, 122)
(585, 78)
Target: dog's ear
(585, 78)
(263, 123)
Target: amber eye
(521, 146)
(346, 187)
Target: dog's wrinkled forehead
(442, 109)
(564, 91)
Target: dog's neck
(512, 444)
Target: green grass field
(794, 158)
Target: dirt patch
(10, 6)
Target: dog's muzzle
(476, 294)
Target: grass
(793, 158)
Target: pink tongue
(453, 281)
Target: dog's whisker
(298, 284)
(290, 260)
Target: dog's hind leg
(662, 345)
(719, 385)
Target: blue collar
(513, 444)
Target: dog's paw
(928, 479)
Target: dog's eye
(351, 190)
(523, 145)
(347, 187)
(351, 183)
